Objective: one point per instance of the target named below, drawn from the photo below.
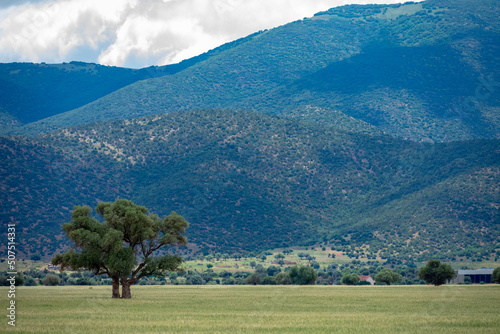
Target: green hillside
(33, 92)
(248, 181)
(418, 71)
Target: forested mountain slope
(248, 181)
(422, 71)
(33, 92)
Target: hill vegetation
(416, 70)
(33, 92)
(246, 181)
(369, 130)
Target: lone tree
(123, 244)
(436, 273)
(388, 276)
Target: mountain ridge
(316, 61)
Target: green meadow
(257, 309)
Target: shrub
(51, 280)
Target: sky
(139, 33)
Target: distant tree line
(434, 272)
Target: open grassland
(257, 309)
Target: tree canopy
(124, 244)
(350, 279)
(436, 273)
(496, 275)
(387, 276)
(303, 275)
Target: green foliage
(242, 175)
(350, 279)
(387, 276)
(283, 278)
(356, 68)
(273, 270)
(363, 283)
(255, 181)
(122, 246)
(254, 279)
(51, 280)
(495, 277)
(194, 279)
(436, 273)
(19, 279)
(35, 257)
(30, 281)
(302, 275)
(32, 92)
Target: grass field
(257, 309)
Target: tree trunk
(116, 287)
(126, 289)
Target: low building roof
(484, 271)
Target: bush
(303, 275)
(268, 280)
(19, 280)
(363, 283)
(350, 279)
(254, 279)
(194, 279)
(83, 281)
(51, 280)
(283, 279)
(496, 275)
(30, 281)
(273, 270)
(387, 276)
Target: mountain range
(367, 125)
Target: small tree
(496, 275)
(260, 270)
(310, 258)
(279, 256)
(122, 246)
(283, 279)
(254, 279)
(387, 276)
(193, 278)
(436, 273)
(272, 270)
(303, 275)
(350, 279)
(51, 279)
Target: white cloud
(139, 33)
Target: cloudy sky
(138, 33)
